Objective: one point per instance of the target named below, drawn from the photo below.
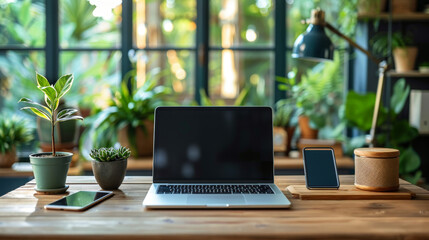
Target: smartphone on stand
(320, 168)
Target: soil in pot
(109, 175)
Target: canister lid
(377, 152)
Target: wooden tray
(348, 192)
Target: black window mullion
(126, 36)
(52, 40)
(202, 53)
(279, 46)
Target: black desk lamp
(315, 45)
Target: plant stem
(53, 135)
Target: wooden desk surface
(279, 163)
(123, 217)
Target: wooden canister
(377, 169)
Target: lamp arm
(354, 44)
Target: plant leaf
(400, 94)
(50, 92)
(69, 118)
(66, 112)
(409, 161)
(35, 104)
(37, 112)
(63, 85)
(42, 81)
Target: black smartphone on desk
(320, 168)
(79, 201)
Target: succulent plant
(110, 154)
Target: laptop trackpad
(215, 199)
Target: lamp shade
(313, 45)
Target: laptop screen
(213, 145)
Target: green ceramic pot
(50, 172)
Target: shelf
(396, 17)
(413, 74)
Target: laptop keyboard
(214, 189)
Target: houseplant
(50, 168)
(404, 53)
(109, 166)
(129, 117)
(13, 132)
(424, 67)
(316, 98)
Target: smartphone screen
(320, 168)
(79, 200)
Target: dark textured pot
(109, 175)
(50, 172)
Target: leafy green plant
(424, 64)
(110, 154)
(317, 95)
(380, 42)
(129, 106)
(53, 94)
(240, 101)
(14, 131)
(394, 132)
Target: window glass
(231, 72)
(94, 72)
(241, 23)
(172, 68)
(18, 77)
(160, 23)
(94, 24)
(22, 23)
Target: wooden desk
(123, 217)
(279, 163)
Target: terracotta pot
(306, 131)
(403, 6)
(290, 132)
(8, 159)
(144, 142)
(405, 58)
(371, 6)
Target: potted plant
(128, 118)
(371, 6)
(109, 166)
(50, 168)
(13, 132)
(424, 67)
(316, 98)
(283, 118)
(404, 53)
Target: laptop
(214, 157)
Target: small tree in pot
(110, 166)
(50, 169)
